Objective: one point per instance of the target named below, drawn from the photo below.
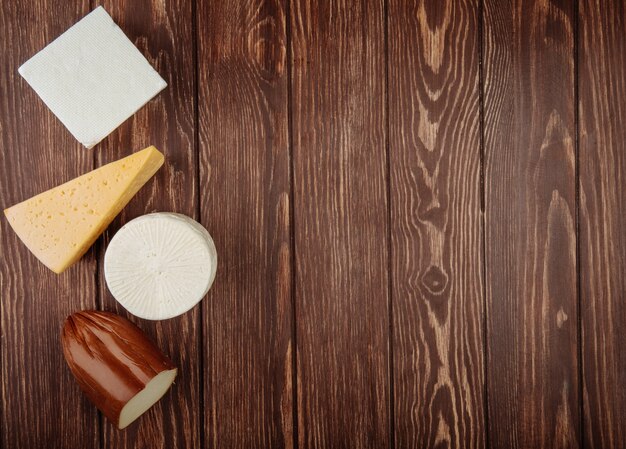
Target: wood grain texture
(163, 33)
(530, 244)
(41, 404)
(340, 225)
(244, 154)
(294, 345)
(434, 144)
(602, 111)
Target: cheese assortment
(120, 370)
(157, 266)
(92, 77)
(160, 265)
(59, 225)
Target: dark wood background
(418, 210)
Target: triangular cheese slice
(60, 225)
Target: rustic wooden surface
(602, 167)
(530, 224)
(246, 205)
(41, 406)
(434, 148)
(417, 211)
(340, 223)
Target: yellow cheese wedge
(60, 225)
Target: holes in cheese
(160, 265)
(58, 226)
(120, 370)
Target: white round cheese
(160, 265)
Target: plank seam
(577, 219)
(99, 305)
(481, 119)
(292, 234)
(390, 356)
(198, 205)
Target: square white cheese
(92, 77)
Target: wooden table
(418, 210)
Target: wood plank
(244, 154)
(341, 234)
(163, 33)
(602, 111)
(436, 223)
(41, 404)
(530, 243)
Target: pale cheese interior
(146, 398)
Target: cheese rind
(120, 370)
(58, 226)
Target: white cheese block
(92, 77)
(160, 265)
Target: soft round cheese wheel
(160, 265)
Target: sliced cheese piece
(60, 225)
(159, 266)
(92, 77)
